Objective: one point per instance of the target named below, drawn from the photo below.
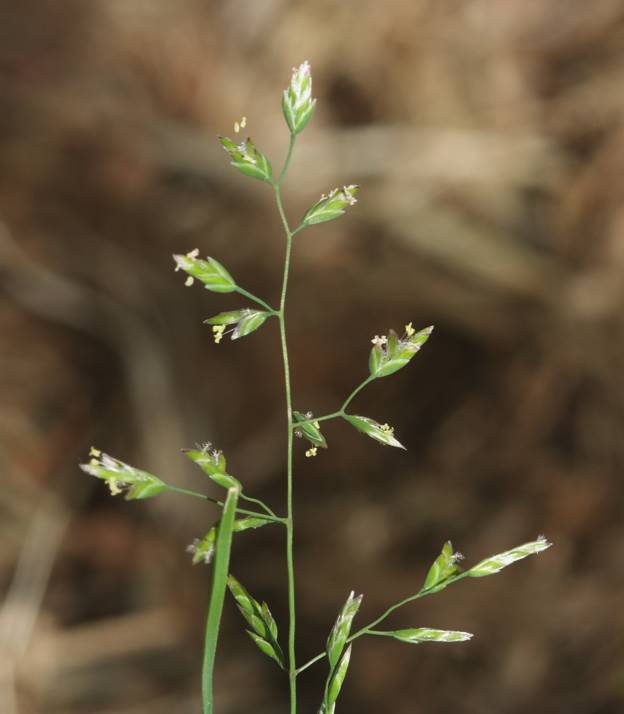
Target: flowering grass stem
(290, 565)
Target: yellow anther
(113, 485)
(311, 451)
(409, 330)
(189, 281)
(95, 452)
(240, 125)
(387, 428)
(217, 333)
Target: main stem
(292, 666)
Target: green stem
(255, 514)
(195, 494)
(389, 611)
(291, 146)
(220, 570)
(396, 606)
(258, 502)
(312, 420)
(268, 516)
(367, 628)
(292, 667)
(356, 391)
(341, 411)
(314, 660)
(256, 299)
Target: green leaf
(310, 430)
(247, 159)
(382, 433)
(443, 568)
(331, 206)
(250, 321)
(120, 477)
(297, 103)
(218, 586)
(426, 634)
(341, 629)
(496, 563)
(264, 627)
(390, 354)
(209, 272)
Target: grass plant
(238, 510)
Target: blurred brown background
(488, 138)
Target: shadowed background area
(488, 140)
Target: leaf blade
(217, 594)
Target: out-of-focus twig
(22, 604)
